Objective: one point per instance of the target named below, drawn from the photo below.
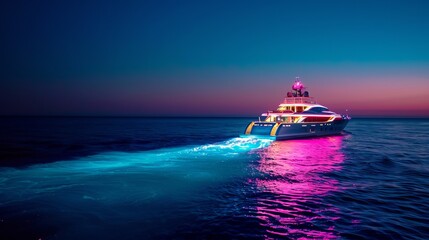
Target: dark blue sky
(139, 57)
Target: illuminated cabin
(299, 115)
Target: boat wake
(114, 170)
(117, 187)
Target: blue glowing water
(148, 178)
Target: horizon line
(188, 116)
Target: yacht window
(318, 109)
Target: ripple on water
(365, 185)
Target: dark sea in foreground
(195, 178)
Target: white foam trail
(143, 172)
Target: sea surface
(196, 178)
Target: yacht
(298, 116)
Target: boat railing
(299, 100)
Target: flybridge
(298, 96)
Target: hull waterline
(285, 131)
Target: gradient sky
(212, 58)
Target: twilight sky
(212, 58)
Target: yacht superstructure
(298, 116)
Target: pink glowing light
(297, 85)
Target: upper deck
(293, 100)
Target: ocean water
(195, 178)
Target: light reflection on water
(293, 175)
